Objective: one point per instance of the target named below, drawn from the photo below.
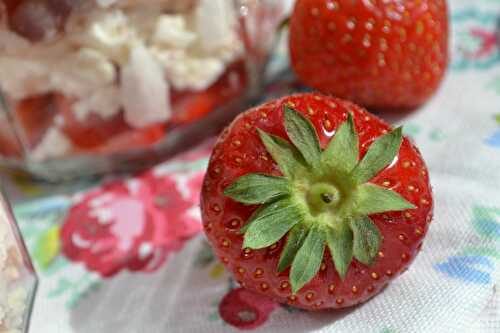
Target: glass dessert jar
(114, 85)
(17, 276)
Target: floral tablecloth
(129, 255)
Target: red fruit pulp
(108, 135)
(190, 106)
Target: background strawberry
(268, 204)
(380, 54)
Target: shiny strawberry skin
(380, 54)
(239, 151)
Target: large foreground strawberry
(313, 201)
(389, 54)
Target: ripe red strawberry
(380, 54)
(298, 181)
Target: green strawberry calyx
(323, 200)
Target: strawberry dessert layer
(107, 75)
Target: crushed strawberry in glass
(107, 76)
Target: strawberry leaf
(340, 243)
(303, 135)
(373, 199)
(284, 154)
(308, 259)
(366, 240)
(254, 189)
(271, 224)
(342, 152)
(252, 218)
(380, 154)
(293, 243)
